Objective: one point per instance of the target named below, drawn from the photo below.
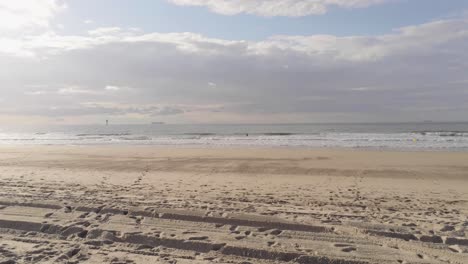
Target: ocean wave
(199, 134)
(278, 134)
(408, 140)
(443, 133)
(104, 134)
(136, 138)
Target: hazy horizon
(246, 124)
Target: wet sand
(128, 204)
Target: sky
(233, 61)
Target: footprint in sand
(272, 243)
(67, 209)
(456, 249)
(138, 219)
(345, 247)
(447, 228)
(348, 249)
(276, 232)
(48, 215)
(198, 238)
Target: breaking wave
(349, 136)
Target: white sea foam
(409, 140)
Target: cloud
(269, 8)
(407, 74)
(421, 39)
(112, 88)
(110, 109)
(104, 31)
(27, 14)
(40, 92)
(125, 109)
(71, 90)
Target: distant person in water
(247, 134)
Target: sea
(424, 136)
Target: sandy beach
(129, 204)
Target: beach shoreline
(239, 147)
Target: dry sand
(162, 205)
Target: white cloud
(104, 31)
(420, 39)
(88, 21)
(71, 90)
(110, 108)
(112, 88)
(27, 14)
(173, 74)
(268, 8)
(40, 92)
(362, 89)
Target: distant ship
(157, 123)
